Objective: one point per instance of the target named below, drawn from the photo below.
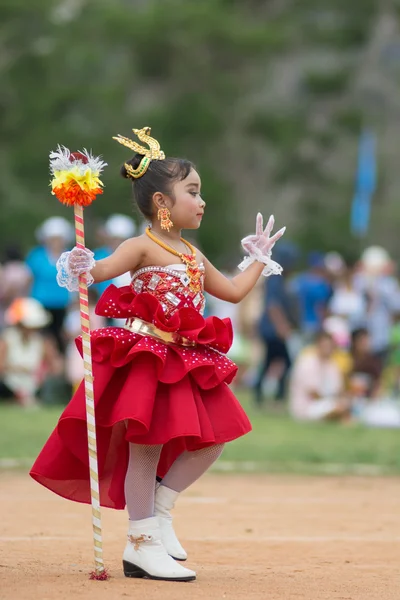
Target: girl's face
(188, 208)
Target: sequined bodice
(170, 285)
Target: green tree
(261, 96)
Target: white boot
(165, 499)
(145, 555)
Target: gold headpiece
(149, 154)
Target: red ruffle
(146, 392)
(119, 348)
(122, 303)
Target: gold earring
(164, 215)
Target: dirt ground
(247, 536)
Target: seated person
(27, 357)
(338, 328)
(392, 370)
(317, 384)
(365, 375)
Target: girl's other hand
(80, 261)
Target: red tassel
(102, 576)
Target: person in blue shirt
(278, 327)
(117, 229)
(55, 236)
(313, 291)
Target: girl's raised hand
(259, 247)
(262, 241)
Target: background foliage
(267, 98)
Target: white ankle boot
(165, 499)
(145, 555)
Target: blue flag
(365, 185)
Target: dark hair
(159, 177)
(356, 335)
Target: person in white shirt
(348, 302)
(316, 390)
(27, 356)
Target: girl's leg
(139, 480)
(141, 475)
(189, 466)
(145, 555)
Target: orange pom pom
(76, 176)
(73, 194)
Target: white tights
(140, 477)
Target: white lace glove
(70, 265)
(259, 247)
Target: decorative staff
(76, 183)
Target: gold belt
(168, 337)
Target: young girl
(163, 405)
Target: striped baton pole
(76, 182)
(89, 397)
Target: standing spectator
(381, 292)
(15, 278)
(27, 357)
(316, 385)
(72, 329)
(278, 328)
(54, 236)
(313, 291)
(248, 320)
(117, 229)
(335, 266)
(239, 351)
(347, 301)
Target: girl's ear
(161, 201)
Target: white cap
(27, 312)
(334, 263)
(120, 226)
(375, 259)
(55, 227)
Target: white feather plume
(60, 161)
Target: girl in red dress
(163, 405)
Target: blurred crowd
(39, 321)
(323, 340)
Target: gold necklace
(192, 250)
(192, 268)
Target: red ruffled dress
(148, 389)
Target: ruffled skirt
(146, 392)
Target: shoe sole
(131, 570)
(178, 559)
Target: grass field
(276, 444)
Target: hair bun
(134, 162)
